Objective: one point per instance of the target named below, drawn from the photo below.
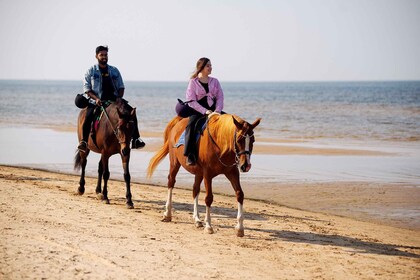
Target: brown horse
(113, 136)
(225, 146)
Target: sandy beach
(48, 232)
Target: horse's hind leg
(196, 192)
(174, 168)
(99, 182)
(234, 180)
(83, 162)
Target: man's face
(102, 57)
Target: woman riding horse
(204, 96)
(224, 148)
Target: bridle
(115, 130)
(245, 151)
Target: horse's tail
(77, 161)
(164, 150)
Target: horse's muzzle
(245, 167)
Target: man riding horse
(103, 82)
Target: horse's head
(126, 122)
(244, 142)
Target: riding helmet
(81, 101)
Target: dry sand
(47, 232)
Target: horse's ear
(237, 121)
(133, 112)
(257, 122)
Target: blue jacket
(93, 80)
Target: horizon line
(230, 81)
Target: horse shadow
(354, 244)
(357, 245)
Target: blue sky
(249, 40)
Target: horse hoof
(80, 191)
(209, 230)
(240, 233)
(100, 196)
(130, 205)
(167, 219)
(199, 224)
(106, 201)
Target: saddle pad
(96, 122)
(98, 113)
(181, 140)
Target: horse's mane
(123, 108)
(223, 129)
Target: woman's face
(207, 69)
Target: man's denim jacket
(93, 80)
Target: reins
(237, 154)
(110, 123)
(218, 156)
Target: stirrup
(191, 159)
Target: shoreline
(268, 146)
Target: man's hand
(98, 102)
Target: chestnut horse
(225, 147)
(113, 135)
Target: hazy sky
(247, 40)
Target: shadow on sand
(357, 246)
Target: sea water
(384, 111)
(382, 116)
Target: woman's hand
(213, 114)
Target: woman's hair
(201, 63)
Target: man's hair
(101, 48)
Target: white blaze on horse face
(248, 158)
(247, 149)
(247, 141)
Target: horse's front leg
(106, 174)
(173, 170)
(196, 193)
(233, 177)
(127, 179)
(209, 200)
(99, 182)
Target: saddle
(202, 123)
